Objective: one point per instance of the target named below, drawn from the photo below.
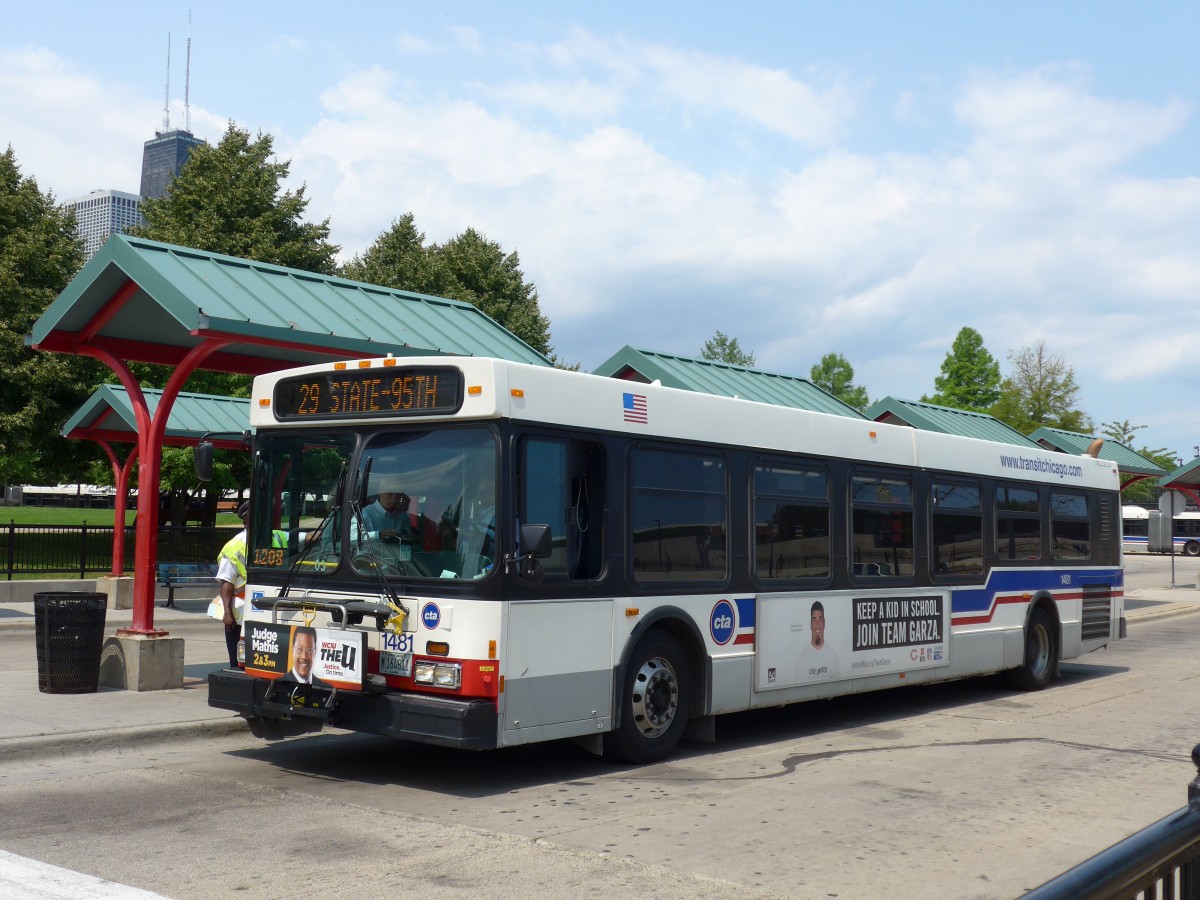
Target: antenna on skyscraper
(167, 90)
(187, 80)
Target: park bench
(173, 575)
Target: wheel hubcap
(655, 697)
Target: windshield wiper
(360, 523)
(319, 532)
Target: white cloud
(71, 131)
(1048, 121)
(716, 85)
(771, 98)
(411, 43)
(865, 255)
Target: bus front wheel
(1041, 655)
(654, 699)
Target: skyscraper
(162, 159)
(100, 213)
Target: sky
(862, 178)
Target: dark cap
(244, 509)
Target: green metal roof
(1127, 460)
(108, 415)
(152, 302)
(1187, 475)
(946, 420)
(722, 379)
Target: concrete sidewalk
(39, 726)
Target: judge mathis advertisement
(297, 653)
(807, 638)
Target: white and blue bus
(478, 554)
(1135, 529)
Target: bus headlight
(438, 674)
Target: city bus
(1135, 529)
(475, 553)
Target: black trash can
(70, 635)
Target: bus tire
(278, 729)
(1041, 655)
(654, 700)
(1192, 548)
(266, 729)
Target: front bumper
(443, 721)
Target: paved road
(963, 790)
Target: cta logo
(721, 622)
(431, 615)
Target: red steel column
(121, 480)
(150, 437)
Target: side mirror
(203, 458)
(535, 541)
(535, 545)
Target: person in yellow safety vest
(231, 577)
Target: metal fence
(86, 550)
(1160, 862)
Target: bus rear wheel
(1041, 655)
(655, 697)
(1192, 548)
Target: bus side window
(585, 515)
(562, 486)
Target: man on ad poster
(301, 654)
(817, 661)
(304, 648)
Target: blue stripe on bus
(745, 611)
(1027, 581)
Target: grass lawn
(62, 515)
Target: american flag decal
(634, 408)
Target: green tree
(970, 376)
(39, 254)
(1145, 492)
(1041, 391)
(467, 267)
(834, 375)
(484, 275)
(228, 199)
(722, 348)
(1121, 432)
(400, 259)
(1141, 493)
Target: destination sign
(351, 393)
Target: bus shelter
(109, 417)
(1185, 479)
(144, 301)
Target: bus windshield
(416, 504)
(428, 504)
(296, 479)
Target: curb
(1175, 609)
(82, 743)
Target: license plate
(395, 663)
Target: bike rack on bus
(344, 612)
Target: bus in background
(1187, 533)
(475, 554)
(1135, 527)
